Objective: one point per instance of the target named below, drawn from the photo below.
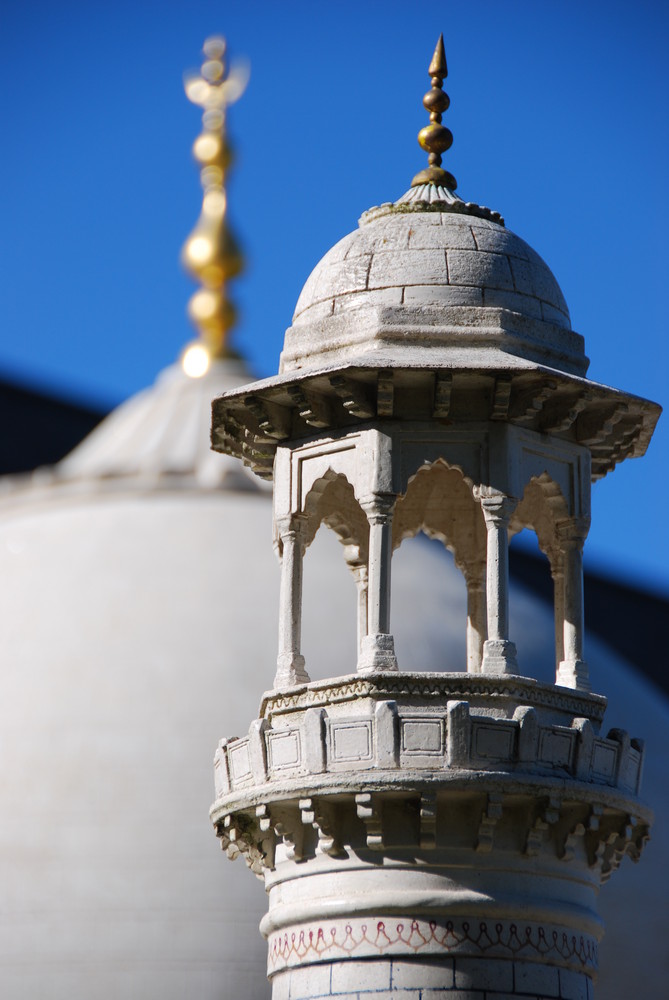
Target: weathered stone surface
(475, 259)
(458, 237)
(543, 980)
(410, 268)
(489, 975)
(351, 975)
(414, 974)
(476, 267)
(446, 294)
(521, 270)
(524, 304)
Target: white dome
(125, 621)
(442, 275)
(160, 437)
(139, 626)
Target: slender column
(360, 576)
(557, 573)
(476, 618)
(290, 662)
(377, 650)
(499, 654)
(573, 670)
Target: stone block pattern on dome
(451, 258)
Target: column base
(377, 652)
(499, 657)
(290, 670)
(573, 674)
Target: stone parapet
(451, 818)
(430, 727)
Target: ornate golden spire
(210, 253)
(435, 138)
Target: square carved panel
(422, 736)
(351, 741)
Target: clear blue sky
(559, 111)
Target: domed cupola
(431, 272)
(432, 309)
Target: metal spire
(211, 253)
(435, 138)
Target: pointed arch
(541, 510)
(332, 501)
(439, 502)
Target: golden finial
(435, 138)
(211, 253)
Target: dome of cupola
(432, 309)
(431, 272)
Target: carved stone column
(573, 670)
(361, 577)
(475, 578)
(377, 649)
(557, 575)
(499, 654)
(290, 662)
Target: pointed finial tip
(438, 65)
(435, 138)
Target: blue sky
(559, 116)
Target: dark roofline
(40, 428)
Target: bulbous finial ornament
(435, 138)
(211, 253)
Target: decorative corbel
(370, 810)
(489, 820)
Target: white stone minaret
(429, 834)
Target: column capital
(379, 507)
(289, 524)
(573, 531)
(289, 528)
(359, 571)
(497, 507)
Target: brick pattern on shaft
(452, 979)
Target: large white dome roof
(139, 624)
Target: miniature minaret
(426, 833)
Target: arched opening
(334, 595)
(439, 504)
(531, 607)
(429, 607)
(536, 605)
(329, 609)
